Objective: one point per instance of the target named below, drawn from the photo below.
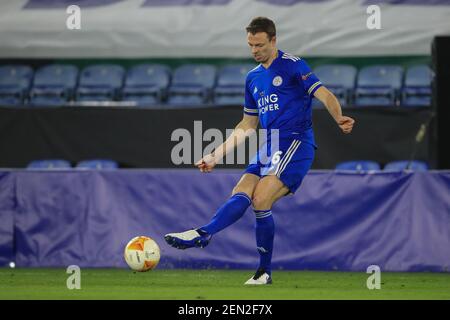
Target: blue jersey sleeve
(250, 107)
(306, 77)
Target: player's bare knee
(261, 202)
(246, 185)
(247, 188)
(238, 189)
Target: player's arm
(243, 129)
(334, 108)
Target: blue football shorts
(289, 160)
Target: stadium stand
(416, 91)
(49, 164)
(100, 83)
(153, 85)
(358, 165)
(54, 85)
(192, 84)
(379, 86)
(97, 164)
(146, 84)
(340, 79)
(230, 89)
(406, 165)
(15, 81)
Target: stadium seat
(146, 84)
(97, 164)
(49, 164)
(54, 85)
(100, 83)
(15, 81)
(417, 87)
(340, 79)
(379, 86)
(192, 85)
(361, 165)
(406, 165)
(230, 89)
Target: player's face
(262, 48)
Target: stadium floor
(218, 284)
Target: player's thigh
(268, 190)
(246, 184)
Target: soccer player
(278, 94)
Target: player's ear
(273, 41)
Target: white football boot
(260, 277)
(187, 239)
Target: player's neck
(271, 59)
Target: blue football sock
(265, 232)
(230, 212)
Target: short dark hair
(262, 24)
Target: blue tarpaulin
(336, 221)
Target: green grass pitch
(218, 285)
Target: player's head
(261, 37)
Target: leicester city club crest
(277, 81)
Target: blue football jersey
(281, 96)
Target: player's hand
(207, 163)
(346, 124)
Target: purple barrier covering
(336, 221)
(7, 206)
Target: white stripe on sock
(264, 216)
